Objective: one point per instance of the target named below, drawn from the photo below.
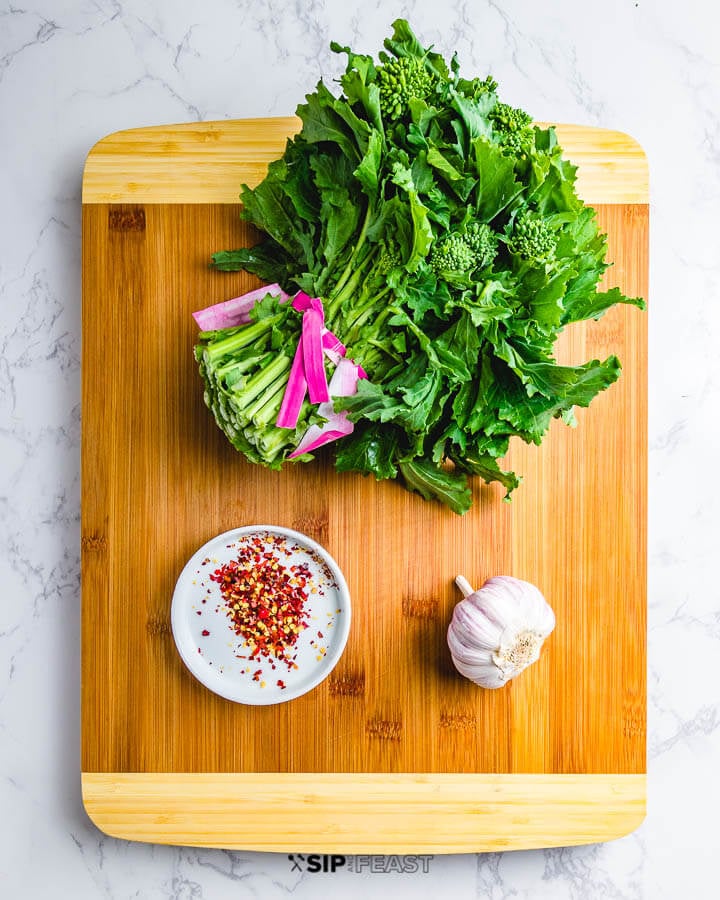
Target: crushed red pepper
(265, 601)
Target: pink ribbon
(342, 384)
(307, 373)
(234, 312)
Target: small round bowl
(216, 655)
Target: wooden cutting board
(394, 752)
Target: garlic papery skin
(498, 631)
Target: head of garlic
(498, 631)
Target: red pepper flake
(205, 632)
(265, 600)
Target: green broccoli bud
(474, 249)
(509, 118)
(482, 240)
(388, 259)
(513, 128)
(453, 254)
(532, 238)
(476, 87)
(401, 80)
(489, 85)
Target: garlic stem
(464, 585)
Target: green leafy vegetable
(443, 233)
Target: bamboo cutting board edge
(488, 814)
(436, 814)
(139, 164)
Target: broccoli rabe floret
(532, 238)
(477, 87)
(388, 259)
(513, 127)
(401, 80)
(510, 118)
(453, 254)
(474, 249)
(482, 240)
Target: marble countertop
(71, 72)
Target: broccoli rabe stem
(271, 441)
(268, 412)
(265, 377)
(266, 400)
(338, 298)
(358, 312)
(243, 365)
(347, 272)
(364, 313)
(245, 336)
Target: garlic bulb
(498, 631)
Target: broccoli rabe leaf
(594, 304)
(497, 186)
(372, 451)
(435, 483)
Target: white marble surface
(71, 72)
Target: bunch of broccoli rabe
(443, 233)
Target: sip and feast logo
(375, 865)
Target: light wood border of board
(337, 813)
(206, 162)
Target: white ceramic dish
(215, 654)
